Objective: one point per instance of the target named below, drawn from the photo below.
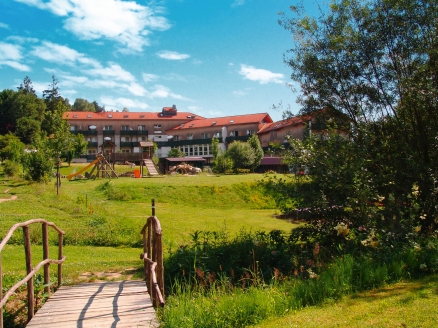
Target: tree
(82, 105)
(214, 147)
(254, 142)
(98, 108)
(376, 62)
(176, 152)
(242, 154)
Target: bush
(11, 168)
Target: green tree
(376, 62)
(254, 142)
(242, 154)
(176, 152)
(82, 105)
(11, 148)
(214, 147)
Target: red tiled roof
(130, 115)
(284, 123)
(227, 120)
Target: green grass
(112, 212)
(404, 304)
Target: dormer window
(125, 116)
(89, 116)
(110, 116)
(75, 116)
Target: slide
(69, 177)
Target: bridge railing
(153, 258)
(31, 272)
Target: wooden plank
(103, 304)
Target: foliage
(242, 154)
(82, 105)
(222, 164)
(38, 162)
(215, 147)
(375, 62)
(254, 142)
(11, 168)
(11, 148)
(176, 152)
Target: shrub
(11, 168)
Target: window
(175, 138)
(73, 128)
(249, 132)
(190, 137)
(107, 127)
(125, 127)
(157, 126)
(142, 139)
(125, 151)
(218, 135)
(141, 127)
(204, 136)
(125, 139)
(91, 151)
(234, 133)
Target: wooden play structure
(101, 166)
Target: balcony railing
(92, 144)
(133, 132)
(239, 138)
(109, 132)
(178, 143)
(85, 132)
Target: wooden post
(60, 242)
(153, 207)
(45, 257)
(30, 287)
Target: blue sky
(209, 57)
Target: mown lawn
(103, 217)
(404, 304)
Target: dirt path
(13, 197)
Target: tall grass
(225, 305)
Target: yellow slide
(69, 177)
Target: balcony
(109, 132)
(127, 144)
(178, 143)
(85, 132)
(92, 144)
(133, 132)
(239, 138)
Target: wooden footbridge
(104, 304)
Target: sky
(212, 58)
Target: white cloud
(125, 22)
(238, 3)
(113, 71)
(163, 92)
(149, 77)
(240, 93)
(172, 55)
(119, 103)
(3, 25)
(10, 55)
(260, 75)
(60, 54)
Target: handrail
(31, 272)
(153, 265)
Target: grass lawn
(405, 304)
(112, 212)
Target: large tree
(377, 62)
